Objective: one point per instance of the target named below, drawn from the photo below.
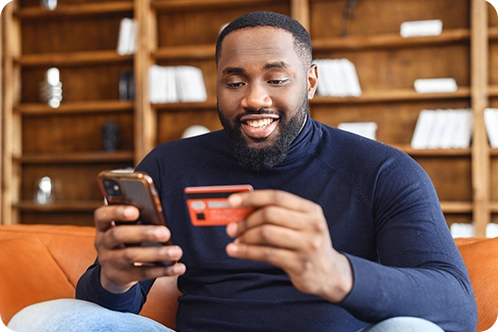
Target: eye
(278, 82)
(234, 85)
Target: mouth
(259, 126)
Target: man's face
(263, 89)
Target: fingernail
(232, 229)
(232, 249)
(235, 200)
(160, 233)
(128, 211)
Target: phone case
(133, 188)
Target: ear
(312, 81)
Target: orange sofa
(43, 262)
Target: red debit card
(208, 206)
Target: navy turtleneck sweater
(382, 212)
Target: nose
(256, 97)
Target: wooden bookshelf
(183, 32)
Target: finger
(271, 235)
(119, 235)
(268, 215)
(104, 215)
(282, 258)
(149, 255)
(138, 273)
(260, 198)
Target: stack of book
(443, 129)
(127, 41)
(337, 78)
(491, 122)
(171, 84)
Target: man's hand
(119, 271)
(291, 233)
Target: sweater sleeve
(419, 271)
(90, 289)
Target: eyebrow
(231, 70)
(236, 70)
(278, 64)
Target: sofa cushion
(481, 259)
(72, 247)
(32, 276)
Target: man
(347, 233)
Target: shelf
(201, 4)
(96, 8)
(493, 33)
(493, 207)
(389, 41)
(493, 90)
(75, 157)
(433, 152)
(204, 52)
(172, 107)
(72, 59)
(456, 207)
(391, 95)
(75, 107)
(60, 206)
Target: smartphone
(137, 189)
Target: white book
(351, 78)
(156, 84)
(421, 28)
(125, 33)
(329, 77)
(449, 134)
(322, 88)
(435, 85)
(464, 130)
(181, 88)
(365, 129)
(492, 230)
(198, 88)
(132, 42)
(435, 137)
(491, 122)
(338, 87)
(171, 86)
(423, 129)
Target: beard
(261, 158)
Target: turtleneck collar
(301, 143)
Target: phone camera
(112, 188)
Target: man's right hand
(119, 271)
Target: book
(491, 123)
(436, 133)
(423, 129)
(171, 84)
(449, 132)
(337, 78)
(126, 85)
(435, 85)
(464, 129)
(127, 36)
(365, 129)
(421, 28)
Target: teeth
(259, 123)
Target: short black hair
(302, 39)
